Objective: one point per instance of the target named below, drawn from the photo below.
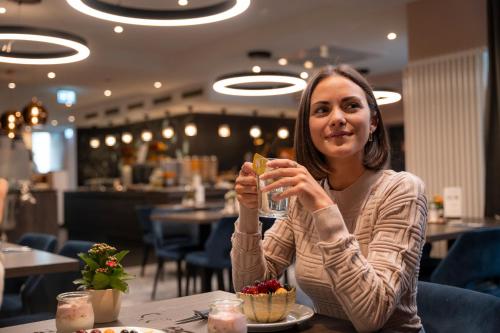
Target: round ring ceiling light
(78, 46)
(278, 83)
(386, 97)
(166, 18)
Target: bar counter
(109, 216)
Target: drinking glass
(74, 312)
(269, 207)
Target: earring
(370, 137)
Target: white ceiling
(190, 57)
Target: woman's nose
(337, 118)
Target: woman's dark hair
(376, 152)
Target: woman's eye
(320, 110)
(353, 106)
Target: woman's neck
(344, 173)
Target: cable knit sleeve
(369, 288)
(253, 259)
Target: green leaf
(118, 284)
(127, 276)
(119, 256)
(80, 281)
(89, 261)
(100, 281)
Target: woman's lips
(338, 134)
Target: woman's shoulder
(401, 181)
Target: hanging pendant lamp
(77, 46)
(156, 17)
(34, 113)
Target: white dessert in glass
(226, 316)
(74, 312)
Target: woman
(4, 187)
(354, 230)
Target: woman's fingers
(247, 169)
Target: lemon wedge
(259, 164)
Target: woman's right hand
(246, 186)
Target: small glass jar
(226, 316)
(74, 312)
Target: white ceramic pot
(106, 304)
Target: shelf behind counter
(109, 216)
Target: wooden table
(451, 229)
(35, 262)
(163, 314)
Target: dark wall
(104, 161)
(396, 139)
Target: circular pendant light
(127, 137)
(78, 46)
(156, 17)
(386, 97)
(259, 84)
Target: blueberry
(124, 331)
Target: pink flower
(111, 263)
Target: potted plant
(105, 279)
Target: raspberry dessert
(267, 301)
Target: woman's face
(339, 119)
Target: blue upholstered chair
(473, 262)
(446, 309)
(215, 257)
(144, 217)
(41, 294)
(12, 299)
(170, 248)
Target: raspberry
(273, 285)
(250, 290)
(262, 288)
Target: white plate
(298, 314)
(118, 329)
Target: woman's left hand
(299, 182)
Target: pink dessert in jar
(74, 312)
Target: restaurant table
(453, 228)
(163, 314)
(34, 262)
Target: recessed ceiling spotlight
(11, 85)
(308, 64)
(54, 122)
(157, 84)
(3, 10)
(392, 36)
(183, 2)
(107, 93)
(51, 75)
(304, 75)
(118, 29)
(282, 61)
(256, 69)
(71, 119)
(105, 10)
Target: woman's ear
(373, 123)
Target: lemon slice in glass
(259, 164)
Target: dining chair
(144, 217)
(473, 262)
(37, 241)
(447, 309)
(172, 248)
(41, 296)
(214, 258)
